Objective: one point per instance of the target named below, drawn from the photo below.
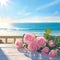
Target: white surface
(9, 52)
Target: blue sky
(22, 11)
(30, 11)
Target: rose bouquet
(39, 44)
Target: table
(10, 52)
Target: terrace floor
(9, 52)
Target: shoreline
(36, 33)
(21, 33)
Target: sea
(36, 28)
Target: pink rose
(41, 41)
(29, 37)
(51, 43)
(53, 53)
(18, 44)
(45, 50)
(32, 47)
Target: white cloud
(41, 19)
(48, 5)
(35, 19)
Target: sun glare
(4, 2)
(5, 25)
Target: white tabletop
(10, 52)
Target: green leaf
(46, 36)
(48, 31)
(58, 39)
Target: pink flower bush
(29, 37)
(51, 43)
(41, 41)
(18, 44)
(53, 53)
(45, 50)
(32, 47)
(40, 44)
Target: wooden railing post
(6, 39)
(14, 39)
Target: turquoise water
(37, 26)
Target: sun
(4, 2)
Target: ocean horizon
(36, 28)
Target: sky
(29, 11)
(22, 11)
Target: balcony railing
(9, 39)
